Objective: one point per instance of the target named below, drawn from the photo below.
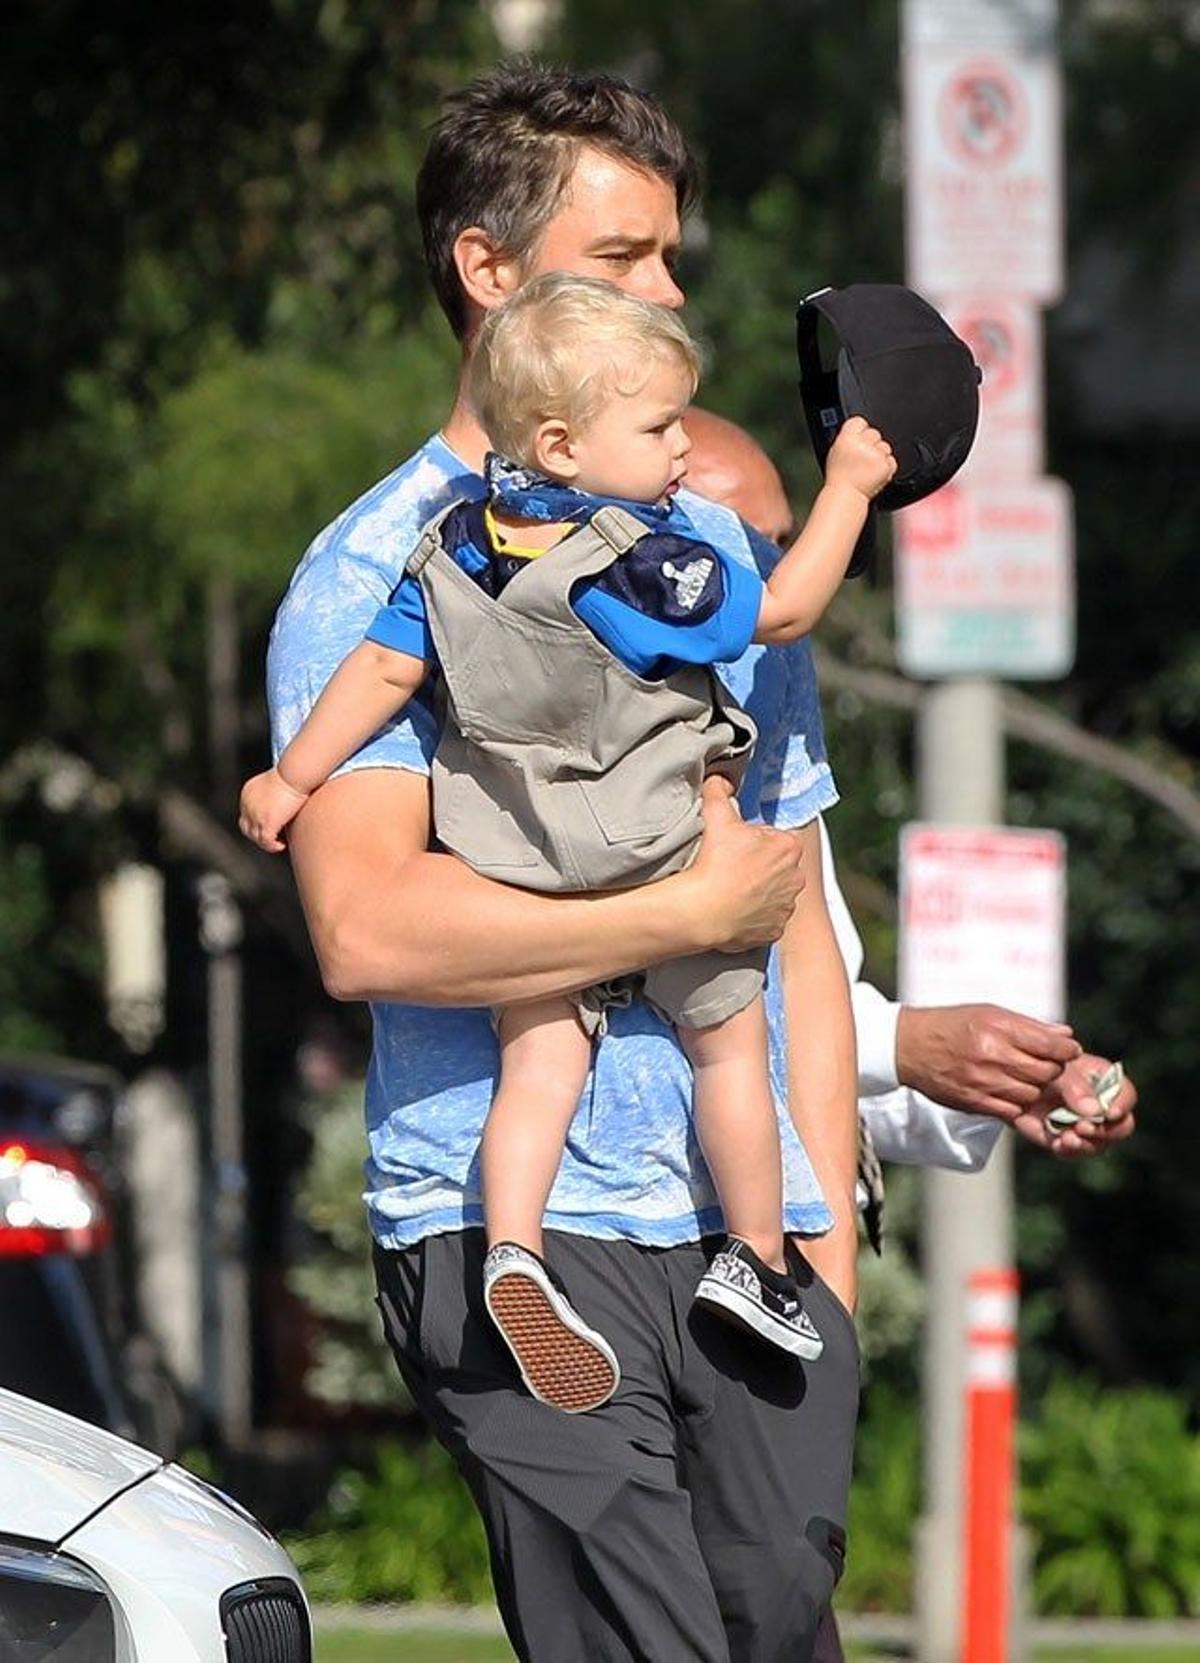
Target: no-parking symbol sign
(984, 170)
(1005, 338)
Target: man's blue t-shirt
(632, 1168)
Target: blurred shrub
(1111, 1492)
(884, 1505)
(351, 1362)
(407, 1530)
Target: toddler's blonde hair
(560, 348)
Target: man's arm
(391, 921)
(822, 1077)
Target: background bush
(1110, 1494)
(405, 1530)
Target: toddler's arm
(371, 685)
(805, 581)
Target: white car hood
(55, 1471)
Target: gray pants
(696, 1518)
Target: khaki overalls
(560, 769)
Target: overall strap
(429, 543)
(543, 590)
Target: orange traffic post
(991, 1402)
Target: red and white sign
(984, 581)
(983, 917)
(1005, 336)
(984, 171)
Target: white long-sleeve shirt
(905, 1125)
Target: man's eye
(621, 257)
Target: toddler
(573, 619)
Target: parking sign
(983, 917)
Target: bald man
(935, 1087)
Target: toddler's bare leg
(544, 1059)
(737, 1127)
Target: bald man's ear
(488, 273)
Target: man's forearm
(442, 935)
(391, 921)
(822, 1070)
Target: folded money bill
(1105, 1086)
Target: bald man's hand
(747, 879)
(1075, 1089)
(982, 1059)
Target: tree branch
(1026, 719)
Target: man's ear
(487, 272)
(553, 450)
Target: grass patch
(438, 1646)
(354, 1645)
(1121, 1654)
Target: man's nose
(663, 289)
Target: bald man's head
(728, 466)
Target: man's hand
(981, 1058)
(1073, 1087)
(747, 878)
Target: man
(700, 1514)
(976, 1055)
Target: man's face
(617, 223)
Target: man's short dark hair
(505, 146)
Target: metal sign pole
(966, 1221)
(984, 589)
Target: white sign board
(983, 917)
(1028, 26)
(983, 163)
(1005, 336)
(985, 583)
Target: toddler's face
(637, 447)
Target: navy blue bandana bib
(527, 494)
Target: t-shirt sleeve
(403, 624)
(691, 604)
(328, 608)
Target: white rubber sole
(562, 1361)
(736, 1306)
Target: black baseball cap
(880, 351)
